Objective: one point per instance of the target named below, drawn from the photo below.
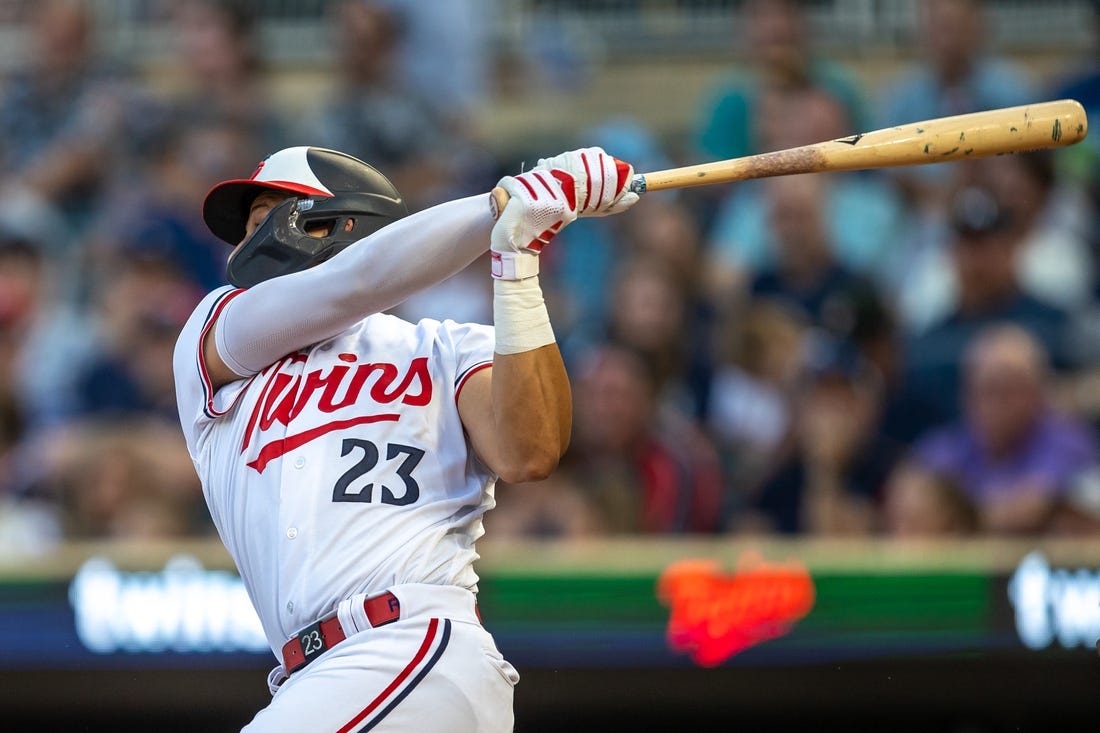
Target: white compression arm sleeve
(280, 316)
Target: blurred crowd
(909, 352)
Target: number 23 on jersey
(400, 459)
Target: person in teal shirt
(780, 66)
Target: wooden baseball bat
(960, 137)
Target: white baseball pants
(435, 669)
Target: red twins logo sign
(716, 615)
(286, 395)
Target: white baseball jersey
(342, 468)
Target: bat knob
(498, 199)
(637, 184)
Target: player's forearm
(532, 403)
(532, 406)
(280, 316)
(518, 415)
(532, 412)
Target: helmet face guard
(282, 243)
(333, 201)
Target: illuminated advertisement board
(692, 611)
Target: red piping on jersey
(207, 385)
(277, 448)
(466, 377)
(422, 652)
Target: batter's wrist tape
(519, 316)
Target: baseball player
(347, 456)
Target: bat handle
(498, 197)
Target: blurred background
(835, 458)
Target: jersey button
(299, 462)
(291, 533)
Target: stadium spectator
(831, 482)
(1013, 455)
(69, 119)
(956, 73)
(651, 313)
(27, 525)
(140, 309)
(1078, 512)
(1080, 163)
(666, 232)
(864, 317)
(984, 250)
(783, 76)
(371, 115)
(857, 216)
(109, 485)
(156, 213)
(1053, 220)
(220, 74)
(12, 420)
(750, 401)
(444, 56)
(47, 339)
(921, 503)
(805, 271)
(1049, 219)
(645, 466)
(554, 508)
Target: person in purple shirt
(1013, 454)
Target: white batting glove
(601, 182)
(539, 207)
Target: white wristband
(514, 265)
(519, 316)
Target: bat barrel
(960, 137)
(979, 134)
(976, 135)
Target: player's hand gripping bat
(975, 135)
